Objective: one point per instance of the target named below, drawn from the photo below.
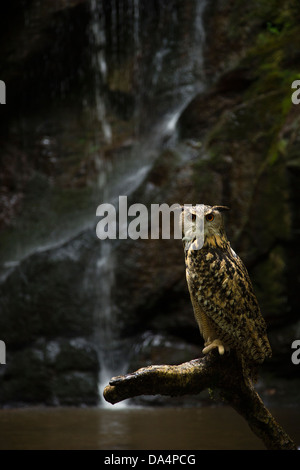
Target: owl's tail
(250, 372)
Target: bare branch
(222, 374)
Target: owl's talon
(215, 344)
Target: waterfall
(99, 64)
(162, 77)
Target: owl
(222, 296)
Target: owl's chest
(205, 262)
(206, 270)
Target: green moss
(270, 283)
(271, 18)
(252, 129)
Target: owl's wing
(223, 291)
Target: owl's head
(207, 219)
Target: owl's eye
(193, 217)
(210, 217)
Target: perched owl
(221, 291)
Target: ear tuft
(221, 208)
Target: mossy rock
(25, 378)
(76, 388)
(75, 354)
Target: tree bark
(222, 374)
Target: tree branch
(222, 374)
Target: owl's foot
(216, 343)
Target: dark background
(90, 88)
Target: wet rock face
(85, 80)
(47, 328)
(66, 296)
(42, 281)
(57, 372)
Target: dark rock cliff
(236, 143)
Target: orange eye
(210, 217)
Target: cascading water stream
(100, 66)
(123, 175)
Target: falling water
(123, 175)
(100, 66)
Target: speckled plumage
(224, 303)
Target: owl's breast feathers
(222, 296)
